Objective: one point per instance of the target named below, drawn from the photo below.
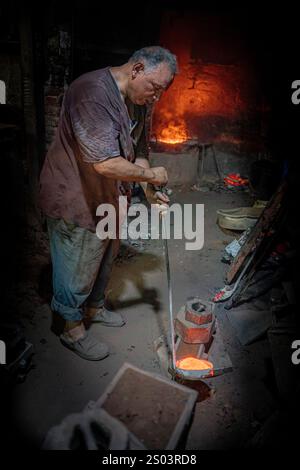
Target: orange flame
(173, 134)
(192, 363)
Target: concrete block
(157, 411)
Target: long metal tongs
(175, 371)
(170, 295)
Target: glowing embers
(174, 133)
(192, 363)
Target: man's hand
(160, 176)
(155, 196)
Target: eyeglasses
(157, 88)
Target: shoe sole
(82, 355)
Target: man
(99, 148)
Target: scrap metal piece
(226, 292)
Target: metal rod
(169, 291)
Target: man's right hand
(160, 176)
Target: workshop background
(227, 132)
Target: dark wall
(107, 34)
(71, 38)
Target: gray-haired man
(100, 146)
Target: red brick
(192, 333)
(193, 315)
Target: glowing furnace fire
(192, 363)
(173, 134)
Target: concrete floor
(62, 383)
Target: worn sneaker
(86, 347)
(105, 317)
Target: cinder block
(199, 311)
(192, 333)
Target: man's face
(146, 87)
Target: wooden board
(258, 233)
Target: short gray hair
(153, 56)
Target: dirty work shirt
(94, 125)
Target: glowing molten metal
(192, 363)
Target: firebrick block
(199, 311)
(192, 333)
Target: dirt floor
(62, 383)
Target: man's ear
(137, 68)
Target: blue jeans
(82, 265)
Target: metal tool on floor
(226, 292)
